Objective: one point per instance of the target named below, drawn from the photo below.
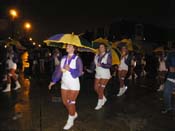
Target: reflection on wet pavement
(34, 108)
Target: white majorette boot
(122, 91)
(104, 100)
(17, 85)
(99, 104)
(161, 87)
(70, 121)
(5, 78)
(130, 77)
(8, 88)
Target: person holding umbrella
(123, 68)
(102, 64)
(70, 69)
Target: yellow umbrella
(101, 40)
(115, 44)
(65, 38)
(17, 44)
(115, 57)
(159, 49)
(96, 42)
(76, 40)
(129, 43)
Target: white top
(143, 62)
(104, 60)
(11, 64)
(67, 77)
(162, 66)
(56, 61)
(133, 62)
(123, 65)
(102, 73)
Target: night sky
(66, 16)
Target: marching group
(69, 68)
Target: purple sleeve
(57, 74)
(78, 70)
(109, 62)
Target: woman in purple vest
(102, 63)
(70, 69)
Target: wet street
(35, 108)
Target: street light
(14, 14)
(34, 43)
(30, 39)
(27, 26)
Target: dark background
(58, 16)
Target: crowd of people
(68, 68)
(131, 66)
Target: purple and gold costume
(69, 79)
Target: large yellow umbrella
(17, 44)
(96, 42)
(101, 40)
(62, 39)
(115, 44)
(129, 43)
(115, 57)
(159, 49)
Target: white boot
(161, 87)
(17, 85)
(8, 88)
(99, 104)
(130, 77)
(5, 78)
(70, 121)
(122, 91)
(17, 76)
(104, 100)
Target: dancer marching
(123, 69)
(102, 63)
(11, 71)
(70, 69)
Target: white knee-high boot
(17, 85)
(8, 88)
(99, 104)
(104, 100)
(70, 121)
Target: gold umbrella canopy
(159, 49)
(62, 39)
(101, 40)
(129, 43)
(17, 44)
(115, 57)
(98, 41)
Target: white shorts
(102, 74)
(123, 67)
(70, 86)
